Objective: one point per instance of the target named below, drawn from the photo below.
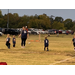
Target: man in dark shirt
(46, 43)
(23, 36)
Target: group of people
(46, 43)
(8, 41)
(23, 36)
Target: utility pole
(8, 20)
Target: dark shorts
(14, 42)
(46, 45)
(74, 44)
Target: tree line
(37, 21)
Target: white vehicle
(46, 31)
(63, 31)
(1, 33)
(41, 31)
(69, 31)
(37, 31)
(29, 32)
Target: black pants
(23, 41)
(8, 44)
(74, 44)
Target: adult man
(23, 36)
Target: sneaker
(47, 50)
(8, 48)
(22, 47)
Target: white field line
(61, 61)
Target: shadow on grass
(3, 49)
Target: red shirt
(27, 30)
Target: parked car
(1, 33)
(17, 31)
(72, 32)
(46, 31)
(32, 31)
(52, 31)
(41, 31)
(29, 31)
(10, 31)
(69, 31)
(63, 31)
(0, 29)
(37, 31)
(60, 31)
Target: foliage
(68, 23)
(37, 21)
(57, 25)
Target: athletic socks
(44, 49)
(47, 49)
(8, 47)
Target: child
(73, 40)
(46, 43)
(14, 40)
(8, 41)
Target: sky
(64, 13)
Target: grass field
(60, 51)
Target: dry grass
(60, 48)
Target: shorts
(46, 45)
(14, 42)
(74, 44)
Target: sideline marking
(62, 61)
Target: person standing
(27, 32)
(14, 40)
(73, 40)
(23, 36)
(46, 44)
(26, 29)
(8, 41)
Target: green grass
(60, 48)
